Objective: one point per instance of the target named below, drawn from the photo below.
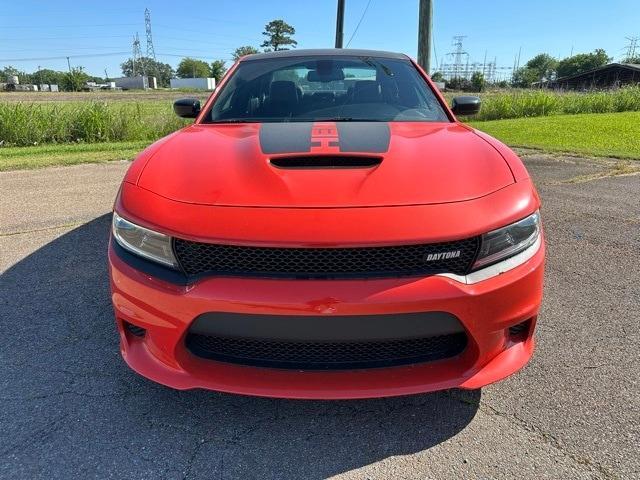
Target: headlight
(508, 241)
(144, 242)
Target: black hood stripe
(353, 137)
(365, 137)
(285, 137)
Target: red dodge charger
(326, 228)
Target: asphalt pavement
(72, 409)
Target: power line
(22, 27)
(63, 57)
(364, 12)
(182, 55)
(110, 54)
(208, 32)
(61, 38)
(66, 48)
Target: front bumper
(486, 310)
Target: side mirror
(465, 105)
(187, 107)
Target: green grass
(21, 158)
(138, 118)
(27, 124)
(610, 135)
(518, 103)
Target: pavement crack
(38, 435)
(43, 229)
(547, 438)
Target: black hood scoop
(326, 161)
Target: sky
(97, 35)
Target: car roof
(333, 52)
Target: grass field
(41, 129)
(33, 118)
(20, 158)
(518, 103)
(609, 135)
(605, 134)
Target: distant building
(612, 75)
(135, 83)
(195, 83)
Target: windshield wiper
(348, 119)
(234, 120)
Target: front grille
(323, 263)
(315, 355)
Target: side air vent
(326, 161)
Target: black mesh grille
(326, 355)
(403, 260)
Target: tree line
(278, 36)
(541, 68)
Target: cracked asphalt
(72, 409)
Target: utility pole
(340, 24)
(73, 86)
(424, 34)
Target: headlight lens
(144, 242)
(508, 241)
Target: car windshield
(325, 88)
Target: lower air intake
(331, 355)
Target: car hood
(415, 163)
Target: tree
(244, 50)
(477, 81)
(524, 77)
(218, 70)
(543, 65)
(75, 80)
(10, 71)
(458, 83)
(192, 68)
(48, 76)
(162, 71)
(582, 62)
(278, 33)
(437, 77)
(539, 68)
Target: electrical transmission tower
(151, 53)
(458, 54)
(137, 56)
(631, 47)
